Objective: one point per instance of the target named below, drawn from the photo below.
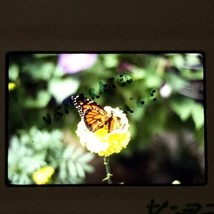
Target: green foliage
(35, 149)
(61, 89)
(186, 108)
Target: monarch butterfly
(94, 115)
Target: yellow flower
(43, 175)
(101, 141)
(11, 86)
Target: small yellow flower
(101, 141)
(11, 86)
(43, 175)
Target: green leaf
(25, 139)
(68, 152)
(138, 73)
(178, 60)
(61, 89)
(152, 80)
(62, 170)
(196, 75)
(15, 144)
(110, 60)
(80, 170)
(41, 101)
(13, 72)
(76, 154)
(183, 108)
(88, 168)
(86, 157)
(198, 115)
(175, 81)
(40, 70)
(186, 108)
(72, 169)
(192, 59)
(43, 55)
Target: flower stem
(108, 173)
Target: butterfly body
(94, 115)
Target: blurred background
(161, 93)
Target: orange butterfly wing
(95, 117)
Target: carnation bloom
(43, 175)
(72, 63)
(102, 142)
